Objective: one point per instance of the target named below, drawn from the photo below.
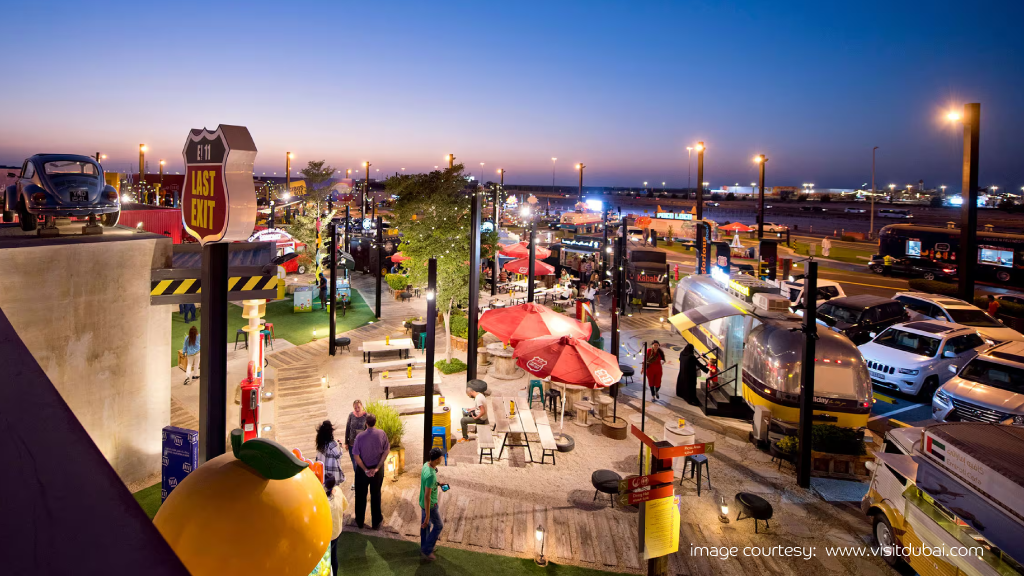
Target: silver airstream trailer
(742, 322)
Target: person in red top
(655, 358)
(993, 305)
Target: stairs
(301, 404)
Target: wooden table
(505, 367)
(520, 424)
(401, 345)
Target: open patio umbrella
(522, 250)
(399, 257)
(522, 266)
(530, 320)
(735, 227)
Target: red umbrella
(530, 320)
(736, 227)
(568, 360)
(522, 250)
(399, 257)
(522, 266)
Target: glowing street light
(760, 160)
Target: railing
(724, 379)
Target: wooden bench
(405, 382)
(547, 443)
(485, 441)
(418, 362)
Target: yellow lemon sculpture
(258, 511)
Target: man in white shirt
(478, 414)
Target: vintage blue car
(60, 185)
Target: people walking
(356, 423)
(655, 358)
(993, 305)
(339, 505)
(370, 449)
(431, 525)
(327, 451)
(323, 291)
(826, 246)
(191, 349)
(190, 313)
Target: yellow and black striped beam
(183, 286)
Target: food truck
(955, 503)
(743, 326)
(286, 244)
(572, 253)
(647, 278)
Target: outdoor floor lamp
(541, 560)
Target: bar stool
(269, 326)
(553, 397)
(245, 338)
(267, 339)
(423, 344)
(696, 462)
(438, 433)
(536, 385)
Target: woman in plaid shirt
(328, 452)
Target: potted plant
(460, 333)
(391, 423)
(835, 452)
(397, 283)
(785, 448)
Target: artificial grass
(372, 556)
(840, 253)
(296, 328)
(149, 499)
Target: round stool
(343, 342)
(607, 482)
(627, 372)
(604, 403)
(583, 408)
(753, 506)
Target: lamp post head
(689, 148)
(699, 147)
(162, 162)
(142, 147)
(954, 116)
(759, 159)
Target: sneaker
(431, 557)
(187, 381)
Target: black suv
(861, 317)
(915, 268)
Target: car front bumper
(904, 383)
(73, 210)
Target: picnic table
(401, 345)
(401, 380)
(521, 424)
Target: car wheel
(110, 219)
(929, 275)
(875, 268)
(1003, 276)
(886, 540)
(301, 269)
(931, 384)
(28, 221)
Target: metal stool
(245, 338)
(696, 462)
(535, 385)
(627, 372)
(423, 341)
(267, 338)
(438, 433)
(554, 397)
(343, 342)
(270, 326)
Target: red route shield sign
(638, 497)
(218, 201)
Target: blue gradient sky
(621, 86)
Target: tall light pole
(287, 178)
(366, 184)
(761, 161)
(475, 199)
(689, 151)
(968, 255)
(871, 229)
(497, 229)
(451, 161)
(700, 180)
(481, 173)
(553, 173)
(580, 167)
(527, 212)
(142, 173)
(428, 384)
(892, 191)
(162, 162)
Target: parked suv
(914, 357)
(923, 306)
(915, 268)
(989, 388)
(794, 290)
(861, 317)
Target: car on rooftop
(914, 357)
(988, 388)
(922, 306)
(58, 186)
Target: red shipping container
(165, 221)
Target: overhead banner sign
(218, 202)
(674, 216)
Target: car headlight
(909, 371)
(942, 397)
(1018, 420)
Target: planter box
(840, 466)
(400, 457)
(463, 344)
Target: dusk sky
(622, 86)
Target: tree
(826, 197)
(730, 196)
(318, 185)
(432, 214)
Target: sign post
(218, 206)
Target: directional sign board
(639, 496)
(662, 451)
(639, 482)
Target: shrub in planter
(933, 287)
(388, 420)
(557, 308)
(460, 328)
(827, 438)
(788, 444)
(452, 367)
(397, 281)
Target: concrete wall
(81, 306)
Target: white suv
(914, 357)
(793, 288)
(990, 388)
(923, 306)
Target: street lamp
(553, 160)
(700, 178)
(481, 173)
(366, 184)
(580, 167)
(971, 118)
(761, 161)
(451, 160)
(871, 229)
(142, 171)
(689, 150)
